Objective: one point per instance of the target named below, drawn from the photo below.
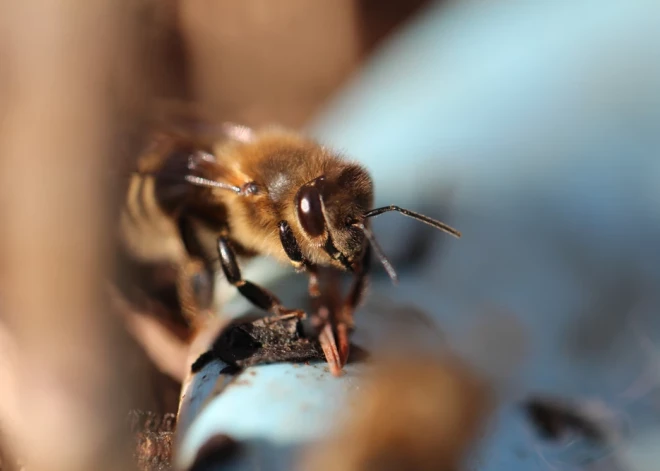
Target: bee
(203, 198)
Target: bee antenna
(420, 217)
(205, 182)
(387, 265)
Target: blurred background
(532, 128)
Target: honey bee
(201, 199)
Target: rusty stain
(153, 451)
(153, 439)
(216, 450)
(146, 421)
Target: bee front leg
(257, 295)
(292, 250)
(322, 316)
(353, 299)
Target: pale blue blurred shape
(519, 88)
(301, 399)
(542, 118)
(644, 455)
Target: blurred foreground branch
(71, 86)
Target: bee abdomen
(147, 231)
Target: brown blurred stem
(71, 85)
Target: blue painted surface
(279, 406)
(534, 128)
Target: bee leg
(292, 250)
(313, 286)
(260, 297)
(322, 317)
(328, 343)
(353, 299)
(291, 246)
(322, 323)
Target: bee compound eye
(310, 211)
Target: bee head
(334, 210)
(328, 209)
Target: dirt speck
(247, 343)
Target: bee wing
(200, 168)
(209, 133)
(192, 122)
(180, 146)
(180, 163)
(238, 132)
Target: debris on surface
(262, 341)
(153, 438)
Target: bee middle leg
(257, 295)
